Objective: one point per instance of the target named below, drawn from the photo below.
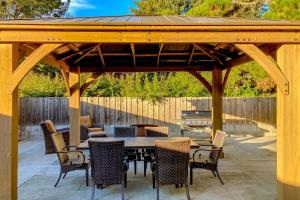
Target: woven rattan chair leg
(122, 189)
(87, 176)
(92, 191)
(135, 166)
(58, 179)
(214, 173)
(219, 177)
(145, 168)
(65, 175)
(191, 175)
(157, 191)
(125, 180)
(187, 191)
(153, 180)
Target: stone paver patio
(248, 171)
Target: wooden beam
(217, 103)
(245, 58)
(288, 125)
(225, 79)
(63, 58)
(9, 60)
(209, 54)
(66, 79)
(89, 81)
(101, 56)
(96, 26)
(206, 84)
(184, 36)
(75, 48)
(120, 69)
(29, 63)
(48, 60)
(74, 106)
(268, 64)
(133, 54)
(191, 55)
(87, 53)
(161, 46)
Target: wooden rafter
(191, 55)
(119, 69)
(89, 81)
(101, 56)
(29, 63)
(133, 54)
(209, 54)
(74, 54)
(161, 46)
(268, 64)
(87, 53)
(75, 48)
(149, 54)
(202, 80)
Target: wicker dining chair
(171, 164)
(48, 128)
(148, 154)
(108, 164)
(69, 160)
(211, 162)
(133, 155)
(87, 127)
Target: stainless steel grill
(196, 121)
(196, 118)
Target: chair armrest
(79, 154)
(210, 150)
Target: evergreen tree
(284, 9)
(14, 9)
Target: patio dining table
(135, 142)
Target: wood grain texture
(288, 125)
(268, 64)
(74, 107)
(217, 103)
(29, 63)
(8, 123)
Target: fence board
(129, 110)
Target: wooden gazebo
(150, 44)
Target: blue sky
(80, 8)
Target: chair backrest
(156, 131)
(172, 158)
(107, 161)
(219, 138)
(218, 143)
(86, 121)
(50, 126)
(125, 131)
(60, 145)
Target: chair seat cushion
(97, 134)
(94, 129)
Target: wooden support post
(8, 123)
(217, 104)
(288, 125)
(74, 106)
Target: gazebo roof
(151, 20)
(149, 43)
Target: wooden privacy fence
(127, 110)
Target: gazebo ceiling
(125, 43)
